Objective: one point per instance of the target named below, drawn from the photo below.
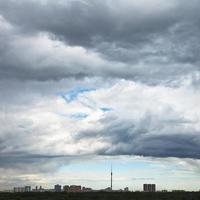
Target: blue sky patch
(79, 116)
(106, 109)
(73, 94)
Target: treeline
(102, 196)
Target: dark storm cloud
(154, 46)
(18, 160)
(34, 162)
(99, 24)
(52, 73)
(145, 138)
(162, 41)
(89, 23)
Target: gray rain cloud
(140, 57)
(153, 43)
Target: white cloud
(142, 66)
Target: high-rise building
(153, 187)
(27, 188)
(149, 187)
(57, 188)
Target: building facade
(126, 189)
(75, 188)
(27, 188)
(66, 188)
(19, 189)
(57, 188)
(85, 189)
(149, 187)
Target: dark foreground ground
(101, 196)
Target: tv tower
(111, 174)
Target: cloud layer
(157, 42)
(102, 78)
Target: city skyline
(89, 84)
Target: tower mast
(111, 179)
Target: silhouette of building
(19, 189)
(149, 187)
(57, 188)
(75, 188)
(27, 188)
(22, 189)
(126, 189)
(85, 189)
(66, 188)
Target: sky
(86, 84)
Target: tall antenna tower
(111, 174)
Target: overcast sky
(84, 84)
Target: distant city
(79, 188)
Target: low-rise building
(19, 189)
(66, 188)
(126, 189)
(75, 188)
(85, 189)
